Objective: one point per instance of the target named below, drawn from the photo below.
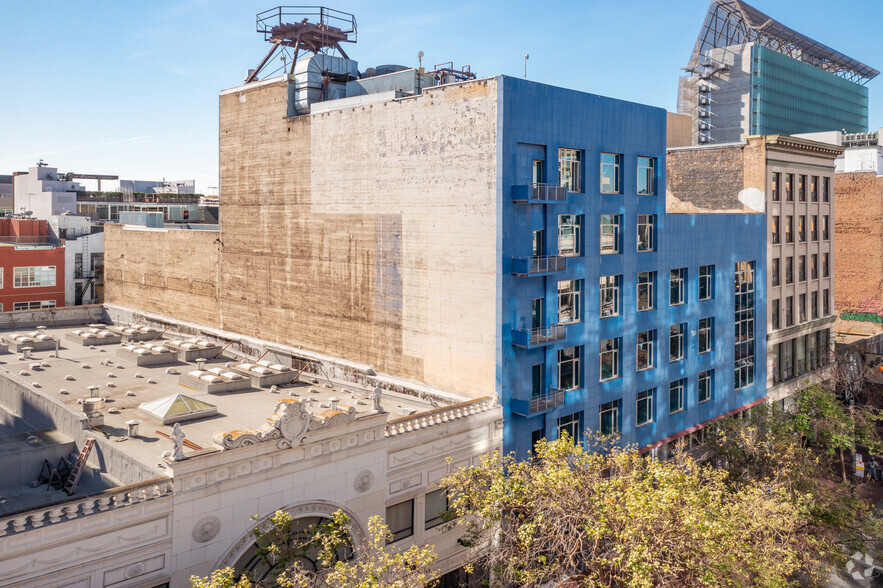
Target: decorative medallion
(206, 529)
(364, 481)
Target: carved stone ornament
(135, 570)
(287, 426)
(206, 528)
(364, 481)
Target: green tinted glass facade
(789, 96)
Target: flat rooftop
(123, 386)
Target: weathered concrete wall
(169, 271)
(858, 247)
(708, 179)
(366, 233)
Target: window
(825, 272)
(825, 235)
(802, 307)
(645, 231)
(535, 438)
(610, 164)
(609, 296)
(789, 311)
(814, 266)
(814, 188)
(705, 383)
(646, 176)
(774, 272)
(536, 313)
(789, 187)
(570, 234)
(644, 408)
(774, 313)
(826, 308)
(400, 519)
(789, 270)
(539, 171)
(645, 350)
(789, 229)
(775, 186)
(814, 304)
(538, 243)
(801, 228)
(744, 325)
(825, 189)
(775, 229)
(610, 234)
(814, 227)
(801, 188)
(568, 368)
(801, 268)
(33, 277)
(569, 173)
(33, 305)
(645, 290)
(676, 342)
(569, 301)
(705, 334)
(537, 380)
(609, 351)
(676, 396)
(677, 278)
(435, 508)
(572, 426)
(706, 282)
(609, 417)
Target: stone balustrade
(112, 499)
(438, 416)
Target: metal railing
(549, 399)
(539, 193)
(26, 239)
(528, 338)
(529, 266)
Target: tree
(615, 518)
(376, 565)
(834, 426)
(767, 444)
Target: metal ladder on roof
(70, 486)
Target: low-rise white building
(329, 434)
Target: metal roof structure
(178, 408)
(733, 22)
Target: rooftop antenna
(526, 57)
(420, 59)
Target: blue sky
(131, 88)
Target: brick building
(31, 266)
(792, 181)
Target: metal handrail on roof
(733, 22)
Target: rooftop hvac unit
(703, 100)
(703, 125)
(703, 139)
(703, 113)
(704, 88)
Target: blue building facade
(613, 314)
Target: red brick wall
(11, 257)
(858, 243)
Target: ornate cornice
(287, 426)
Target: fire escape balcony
(539, 193)
(538, 337)
(537, 266)
(551, 398)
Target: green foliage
(834, 426)
(619, 519)
(376, 565)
